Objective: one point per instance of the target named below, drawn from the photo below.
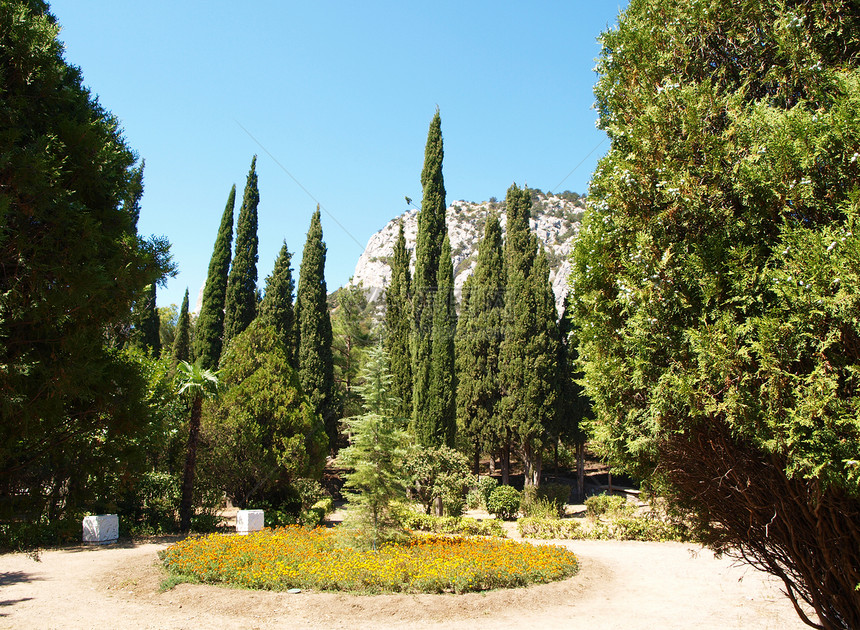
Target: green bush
(463, 525)
(474, 499)
(27, 536)
(486, 485)
(550, 528)
(546, 501)
(619, 528)
(601, 504)
(504, 502)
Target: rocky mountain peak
(555, 220)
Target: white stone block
(249, 521)
(101, 529)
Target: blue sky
(335, 98)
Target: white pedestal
(101, 529)
(249, 521)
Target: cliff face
(555, 221)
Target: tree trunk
(531, 464)
(492, 464)
(476, 460)
(506, 464)
(580, 471)
(185, 505)
(439, 507)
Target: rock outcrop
(555, 220)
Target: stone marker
(249, 521)
(101, 529)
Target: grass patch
(293, 557)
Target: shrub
(601, 504)
(504, 502)
(486, 485)
(463, 525)
(474, 499)
(438, 472)
(548, 500)
(553, 528)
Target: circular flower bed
(293, 557)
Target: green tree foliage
(529, 352)
(716, 279)
(168, 317)
(195, 384)
(316, 365)
(438, 476)
(480, 331)
(209, 331)
(240, 305)
(376, 454)
(398, 327)
(351, 322)
(428, 248)
(440, 425)
(71, 264)
(145, 322)
(182, 340)
(276, 309)
(265, 430)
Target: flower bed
(293, 557)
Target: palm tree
(196, 384)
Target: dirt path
(624, 585)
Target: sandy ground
(624, 585)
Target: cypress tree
(441, 424)
(398, 327)
(240, 306)
(182, 340)
(431, 233)
(529, 353)
(209, 331)
(479, 337)
(276, 309)
(316, 366)
(146, 323)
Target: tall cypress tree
(182, 340)
(479, 337)
(529, 353)
(316, 366)
(240, 306)
(209, 331)
(146, 322)
(276, 309)
(441, 425)
(398, 327)
(431, 233)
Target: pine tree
(529, 352)
(240, 306)
(398, 327)
(316, 368)
(276, 309)
(182, 340)
(209, 332)
(376, 453)
(479, 337)
(431, 233)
